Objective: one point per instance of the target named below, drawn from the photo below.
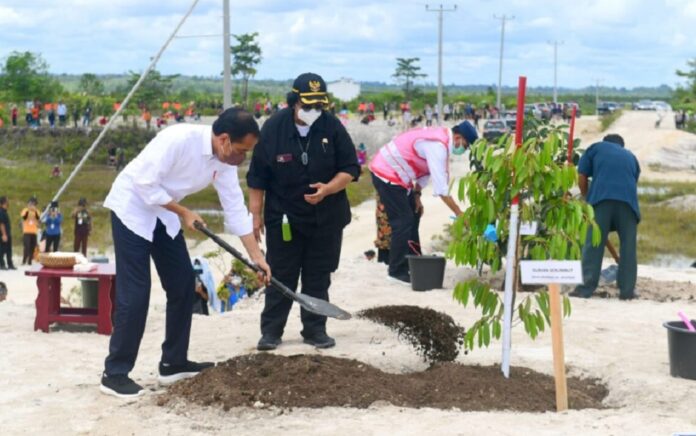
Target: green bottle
(287, 234)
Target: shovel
(314, 305)
(608, 274)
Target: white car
(644, 105)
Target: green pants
(611, 215)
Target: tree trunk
(245, 91)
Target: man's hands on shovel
(263, 270)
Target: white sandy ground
(49, 382)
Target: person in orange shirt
(147, 117)
(30, 227)
(35, 112)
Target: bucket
(427, 272)
(682, 350)
(90, 293)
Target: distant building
(344, 89)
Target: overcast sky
(623, 42)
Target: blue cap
(467, 131)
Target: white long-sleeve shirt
(436, 155)
(178, 162)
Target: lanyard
(305, 157)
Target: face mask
(458, 151)
(308, 117)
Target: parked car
(494, 129)
(644, 105)
(544, 110)
(606, 107)
(661, 106)
(568, 109)
(530, 109)
(510, 118)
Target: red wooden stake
(571, 135)
(519, 127)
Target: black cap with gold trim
(311, 88)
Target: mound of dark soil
(264, 380)
(435, 335)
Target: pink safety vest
(399, 163)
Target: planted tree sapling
(536, 172)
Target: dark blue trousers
(133, 295)
(400, 206)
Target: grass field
(19, 181)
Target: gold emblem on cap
(314, 85)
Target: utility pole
(226, 75)
(502, 19)
(440, 10)
(597, 82)
(555, 45)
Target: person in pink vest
(401, 169)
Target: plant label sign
(551, 271)
(529, 228)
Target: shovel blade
(321, 307)
(609, 274)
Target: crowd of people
(41, 231)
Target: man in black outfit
(300, 168)
(5, 236)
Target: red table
(48, 309)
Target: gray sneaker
(121, 386)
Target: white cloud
(361, 38)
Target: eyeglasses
(317, 106)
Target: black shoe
(120, 386)
(578, 294)
(320, 340)
(628, 297)
(12, 267)
(169, 374)
(268, 343)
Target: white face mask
(308, 117)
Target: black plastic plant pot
(427, 272)
(682, 350)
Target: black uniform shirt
(5, 219)
(276, 167)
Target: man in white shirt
(62, 114)
(401, 169)
(146, 222)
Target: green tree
(155, 89)
(407, 71)
(91, 85)
(538, 174)
(25, 77)
(246, 55)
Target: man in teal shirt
(614, 196)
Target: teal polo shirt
(614, 172)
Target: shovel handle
(612, 250)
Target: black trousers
(313, 254)
(400, 206)
(52, 243)
(133, 295)
(6, 252)
(29, 240)
(80, 244)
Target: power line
(503, 20)
(440, 10)
(124, 103)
